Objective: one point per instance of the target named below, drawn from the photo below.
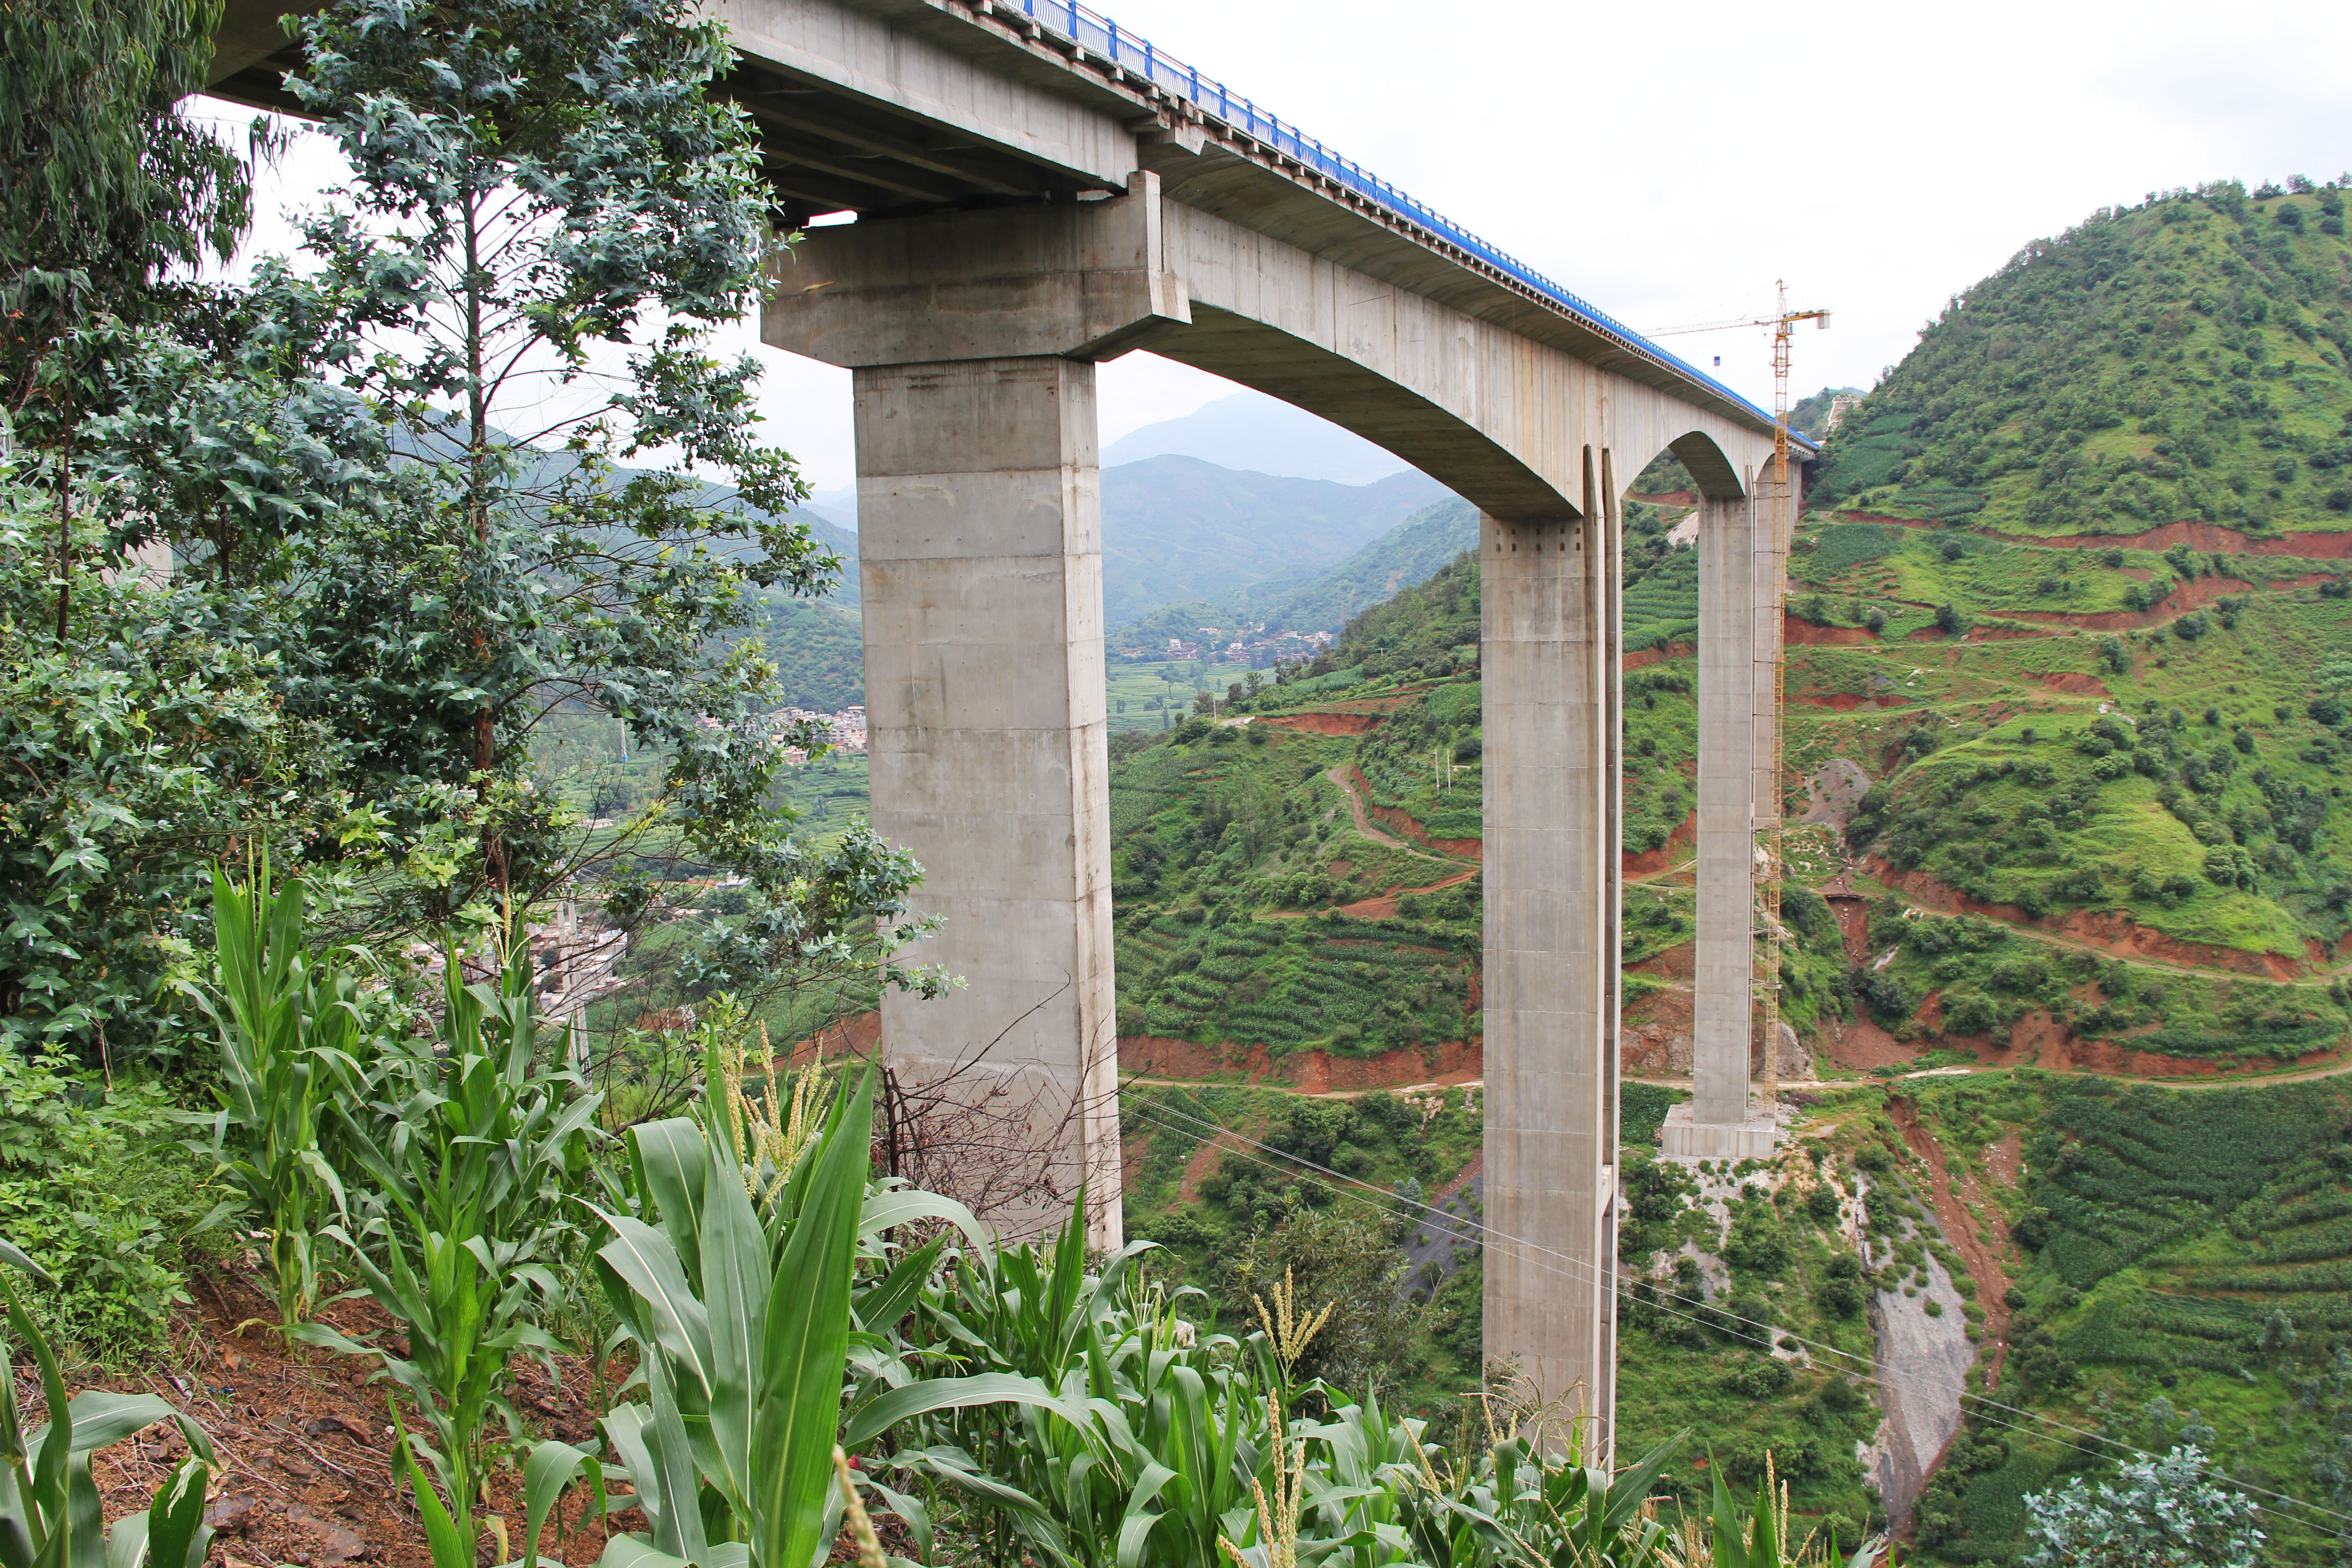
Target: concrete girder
(913, 62)
(1452, 392)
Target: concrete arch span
(1501, 419)
(972, 337)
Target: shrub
(2158, 1510)
(95, 1187)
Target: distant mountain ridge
(1408, 554)
(1178, 528)
(1256, 434)
(1187, 539)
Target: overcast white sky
(1668, 163)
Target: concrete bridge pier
(1736, 567)
(1550, 663)
(972, 342)
(980, 563)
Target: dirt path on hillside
(1926, 892)
(1989, 1265)
(2205, 536)
(1339, 775)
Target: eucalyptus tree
(470, 463)
(549, 213)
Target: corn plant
(745, 1299)
(49, 1514)
(287, 1027)
(1760, 1540)
(1139, 1439)
(1172, 1448)
(1380, 1494)
(474, 1155)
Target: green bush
(95, 1188)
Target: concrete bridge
(1036, 192)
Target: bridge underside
(972, 338)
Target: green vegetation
(2181, 359)
(95, 1184)
(48, 1498)
(1356, 987)
(1411, 552)
(2181, 1281)
(1728, 1289)
(818, 652)
(2214, 827)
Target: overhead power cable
(1714, 1317)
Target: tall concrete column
(1724, 979)
(980, 561)
(1768, 555)
(973, 338)
(1774, 514)
(1548, 667)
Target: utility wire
(1715, 1317)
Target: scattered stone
(337, 1544)
(231, 1515)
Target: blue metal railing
(1103, 36)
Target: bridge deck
(888, 108)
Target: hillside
(1406, 554)
(818, 650)
(1178, 528)
(1257, 434)
(2182, 361)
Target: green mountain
(1406, 554)
(1177, 529)
(818, 650)
(2183, 360)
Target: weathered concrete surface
(980, 561)
(1682, 1137)
(1723, 966)
(1550, 969)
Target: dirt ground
(303, 1441)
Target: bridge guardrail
(1097, 33)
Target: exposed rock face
(1660, 1047)
(1795, 1065)
(1923, 1364)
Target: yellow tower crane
(1778, 493)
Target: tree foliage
(2158, 1513)
(449, 475)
